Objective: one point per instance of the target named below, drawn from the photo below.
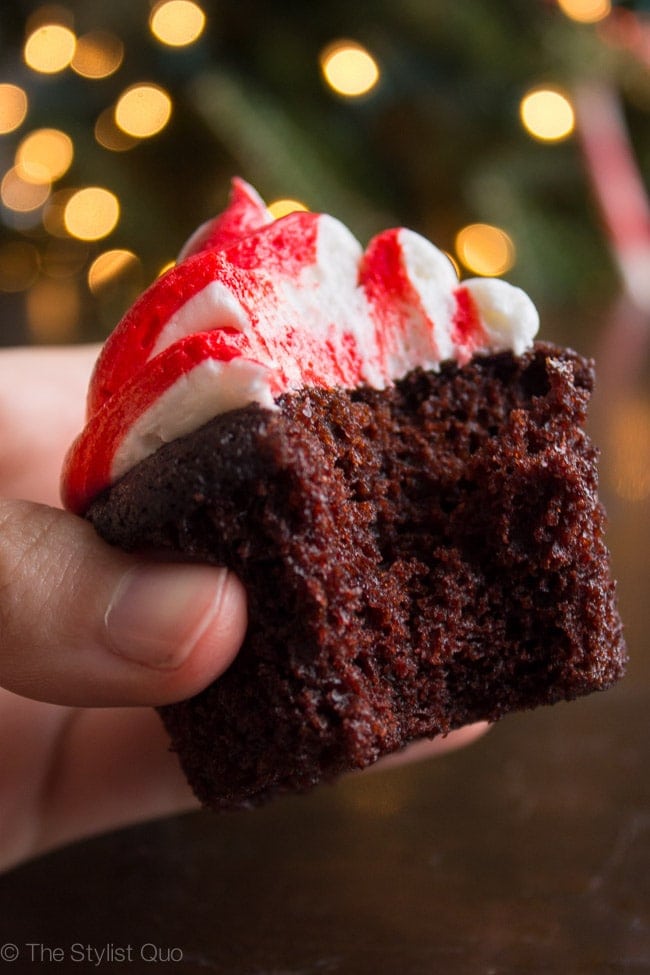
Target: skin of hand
(91, 638)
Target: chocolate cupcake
(398, 475)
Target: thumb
(84, 624)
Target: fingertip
(182, 624)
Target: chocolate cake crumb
(415, 558)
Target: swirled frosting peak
(256, 307)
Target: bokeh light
(98, 54)
(53, 310)
(13, 107)
(349, 69)
(485, 249)
(50, 48)
(44, 155)
(91, 213)
(547, 114)
(586, 11)
(22, 195)
(19, 265)
(143, 110)
(280, 208)
(110, 265)
(630, 446)
(177, 22)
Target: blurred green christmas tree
(380, 113)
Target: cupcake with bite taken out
(394, 468)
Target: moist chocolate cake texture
(416, 558)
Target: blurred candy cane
(618, 185)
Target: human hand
(91, 638)
(88, 635)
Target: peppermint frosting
(256, 307)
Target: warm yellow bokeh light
(177, 22)
(44, 155)
(547, 114)
(53, 310)
(22, 195)
(143, 110)
(91, 213)
(50, 48)
(280, 208)
(109, 266)
(485, 249)
(349, 69)
(13, 107)
(98, 54)
(630, 448)
(19, 265)
(586, 11)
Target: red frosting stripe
(468, 332)
(384, 272)
(87, 468)
(284, 248)
(129, 347)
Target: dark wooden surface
(527, 853)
